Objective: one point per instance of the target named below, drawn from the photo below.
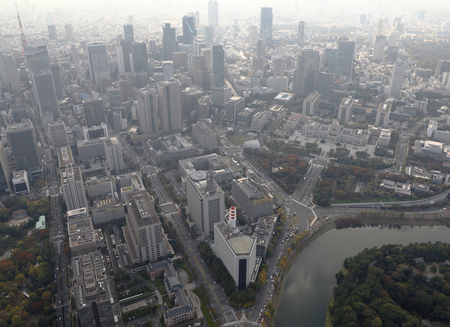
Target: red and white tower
(22, 34)
(232, 216)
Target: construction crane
(22, 34)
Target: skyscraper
(93, 112)
(397, 78)
(73, 188)
(345, 56)
(5, 173)
(189, 30)
(114, 155)
(140, 57)
(213, 14)
(148, 110)
(218, 65)
(169, 105)
(22, 140)
(169, 41)
(98, 61)
(233, 107)
(206, 200)
(301, 32)
(9, 75)
(69, 31)
(126, 47)
(44, 92)
(265, 25)
(307, 70)
(52, 33)
(128, 32)
(346, 109)
(55, 69)
(380, 44)
(58, 135)
(380, 27)
(36, 57)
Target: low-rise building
(260, 119)
(211, 162)
(106, 211)
(251, 198)
(40, 224)
(245, 116)
(293, 121)
(167, 148)
(20, 182)
(204, 135)
(384, 138)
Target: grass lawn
(159, 283)
(238, 138)
(167, 301)
(205, 311)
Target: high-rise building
(392, 52)
(58, 135)
(384, 111)
(345, 56)
(237, 252)
(233, 107)
(148, 110)
(74, 55)
(380, 44)
(265, 25)
(253, 35)
(9, 75)
(213, 14)
(251, 198)
(189, 30)
(397, 78)
(143, 232)
(169, 41)
(5, 173)
(346, 109)
(56, 75)
(22, 140)
(114, 155)
(261, 48)
(36, 57)
(167, 70)
(126, 47)
(93, 112)
(218, 66)
(441, 67)
(44, 92)
(52, 33)
(98, 61)
(380, 27)
(206, 200)
(301, 32)
(140, 57)
(128, 32)
(325, 85)
(307, 70)
(68, 28)
(169, 105)
(329, 59)
(311, 104)
(73, 188)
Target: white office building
(73, 188)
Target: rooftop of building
(313, 96)
(25, 124)
(141, 206)
(77, 213)
(204, 129)
(82, 238)
(71, 173)
(264, 229)
(112, 141)
(199, 179)
(79, 225)
(20, 174)
(251, 191)
(65, 156)
(240, 244)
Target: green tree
(20, 279)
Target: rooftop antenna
(22, 34)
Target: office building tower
(52, 33)
(392, 53)
(58, 135)
(56, 75)
(383, 114)
(140, 57)
(311, 104)
(148, 110)
(237, 252)
(204, 135)
(329, 59)
(380, 44)
(218, 66)
(22, 140)
(233, 107)
(189, 30)
(441, 67)
(213, 14)
(73, 188)
(380, 27)
(301, 32)
(9, 74)
(143, 232)
(251, 198)
(114, 155)
(324, 85)
(265, 25)
(261, 48)
(74, 55)
(36, 57)
(169, 105)
(169, 41)
(253, 35)
(20, 182)
(114, 100)
(44, 92)
(206, 200)
(207, 53)
(68, 28)
(93, 112)
(126, 47)
(95, 132)
(5, 173)
(167, 70)
(397, 78)
(96, 313)
(345, 56)
(98, 62)
(307, 70)
(209, 34)
(120, 60)
(128, 32)
(198, 45)
(19, 112)
(346, 109)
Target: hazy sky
(236, 8)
